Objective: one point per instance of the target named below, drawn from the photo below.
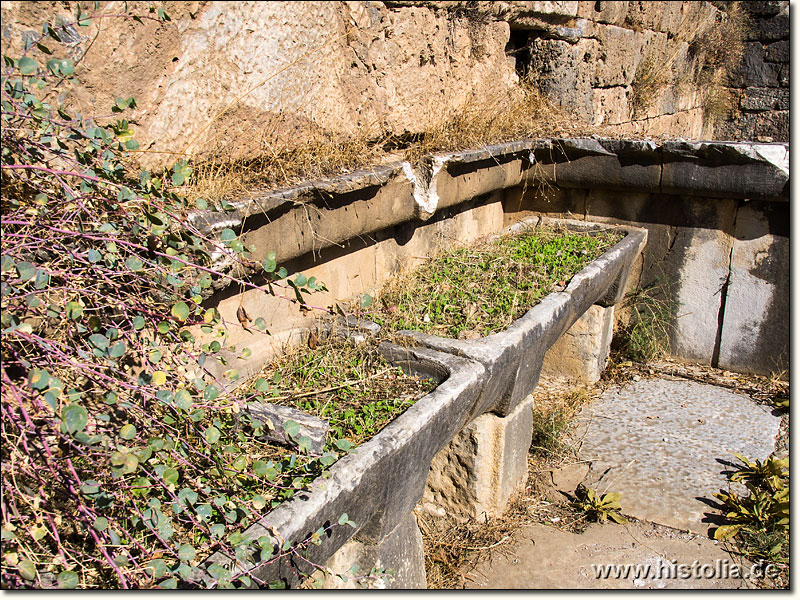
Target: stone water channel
(707, 216)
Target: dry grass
(308, 153)
(699, 56)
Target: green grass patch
(475, 291)
(349, 385)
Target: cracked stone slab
(659, 443)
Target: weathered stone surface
(580, 354)
(725, 169)
(399, 555)
(754, 70)
(607, 163)
(612, 13)
(755, 329)
(765, 99)
(777, 51)
(275, 417)
(610, 105)
(678, 436)
(364, 484)
(483, 468)
(563, 74)
(770, 29)
(541, 557)
(567, 479)
(702, 270)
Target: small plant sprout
(599, 507)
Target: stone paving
(660, 443)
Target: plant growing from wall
(123, 463)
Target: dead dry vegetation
(282, 161)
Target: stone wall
(762, 81)
(244, 79)
(718, 238)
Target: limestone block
(580, 354)
(564, 74)
(484, 466)
(758, 99)
(755, 328)
(604, 12)
(621, 50)
(725, 169)
(399, 555)
(754, 71)
(687, 255)
(609, 105)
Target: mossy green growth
(476, 291)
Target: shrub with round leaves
(124, 463)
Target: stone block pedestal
(477, 475)
(399, 556)
(580, 354)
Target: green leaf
(118, 350)
(212, 434)
(158, 566)
(180, 311)
(344, 519)
(186, 552)
(99, 341)
(101, 523)
(128, 432)
(269, 263)
(260, 324)
(133, 263)
(75, 418)
(723, 532)
(68, 580)
(39, 379)
(74, 310)
(227, 235)
(366, 301)
(170, 475)
(27, 66)
(344, 445)
(27, 569)
(300, 280)
(26, 270)
(183, 400)
(292, 428)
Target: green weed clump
(476, 291)
(759, 520)
(646, 334)
(349, 385)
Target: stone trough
(483, 393)
(699, 207)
